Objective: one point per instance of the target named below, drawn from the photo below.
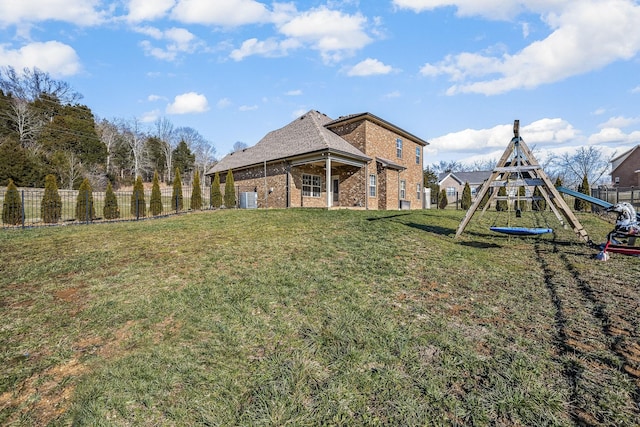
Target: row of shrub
(51, 205)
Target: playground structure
(518, 168)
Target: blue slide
(590, 199)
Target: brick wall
(626, 171)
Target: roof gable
(475, 177)
(377, 120)
(617, 161)
(306, 134)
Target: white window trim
(373, 186)
(399, 148)
(403, 189)
(314, 188)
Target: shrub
(579, 204)
(229, 191)
(51, 207)
(138, 204)
(155, 203)
(176, 196)
(465, 203)
(502, 205)
(442, 199)
(196, 193)
(216, 195)
(521, 203)
(12, 205)
(538, 205)
(111, 209)
(85, 210)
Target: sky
(455, 73)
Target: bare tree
(239, 145)
(135, 138)
(28, 123)
(586, 161)
(68, 167)
(32, 83)
(110, 136)
(165, 133)
(205, 154)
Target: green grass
(314, 317)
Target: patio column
(328, 180)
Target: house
(453, 183)
(355, 161)
(625, 169)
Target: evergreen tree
(111, 209)
(229, 191)
(558, 182)
(155, 204)
(176, 196)
(442, 199)
(465, 203)
(196, 193)
(216, 195)
(51, 207)
(485, 199)
(578, 205)
(12, 205)
(138, 204)
(183, 158)
(85, 210)
(502, 205)
(521, 203)
(582, 205)
(541, 204)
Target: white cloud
(554, 132)
(333, 33)
(79, 12)
(620, 122)
(53, 57)
(153, 98)
(268, 48)
(227, 13)
(369, 67)
(611, 135)
(247, 107)
(178, 40)
(145, 10)
(223, 103)
(150, 116)
(296, 92)
(190, 102)
(585, 36)
(635, 89)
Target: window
(399, 148)
(311, 185)
(372, 186)
(403, 189)
(451, 191)
(418, 190)
(418, 155)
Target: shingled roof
(306, 134)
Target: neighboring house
(358, 161)
(625, 169)
(453, 183)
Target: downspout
(366, 186)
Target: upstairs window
(399, 148)
(372, 186)
(310, 185)
(418, 155)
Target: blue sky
(455, 73)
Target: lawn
(314, 317)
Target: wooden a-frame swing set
(518, 168)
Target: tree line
(45, 130)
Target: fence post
(632, 195)
(22, 209)
(137, 207)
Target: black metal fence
(30, 212)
